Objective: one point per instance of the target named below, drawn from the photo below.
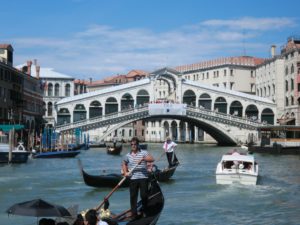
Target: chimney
(273, 51)
(91, 80)
(37, 68)
(29, 63)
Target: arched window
(292, 69)
(286, 85)
(286, 101)
(50, 108)
(292, 100)
(50, 89)
(67, 90)
(286, 71)
(56, 91)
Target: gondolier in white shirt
(169, 147)
(137, 160)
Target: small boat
(19, 153)
(114, 150)
(150, 216)
(8, 152)
(95, 144)
(111, 180)
(236, 167)
(56, 154)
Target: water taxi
(236, 167)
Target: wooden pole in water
(10, 141)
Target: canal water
(192, 196)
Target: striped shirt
(140, 172)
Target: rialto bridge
(228, 116)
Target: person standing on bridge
(169, 147)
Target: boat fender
(241, 166)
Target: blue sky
(100, 38)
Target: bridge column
(187, 132)
(196, 133)
(178, 133)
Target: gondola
(153, 210)
(56, 154)
(111, 180)
(114, 150)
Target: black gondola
(153, 210)
(114, 150)
(111, 180)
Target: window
(56, 91)
(292, 100)
(292, 69)
(231, 72)
(286, 71)
(225, 73)
(286, 85)
(286, 101)
(292, 84)
(50, 89)
(67, 90)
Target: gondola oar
(117, 186)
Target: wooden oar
(117, 186)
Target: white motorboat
(18, 153)
(237, 168)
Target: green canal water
(191, 197)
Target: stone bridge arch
(217, 132)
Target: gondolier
(137, 159)
(169, 147)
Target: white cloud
(249, 23)
(101, 51)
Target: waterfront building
(232, 73)
(55, 86)
(20, 93)
(278, 79)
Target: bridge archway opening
(182, 127)
(205, 101)
(166, 129)
(95, 109)
(174, 130)
(189, 98)
(111, 105)
(267, 116)
(142, 97)
(79, 113)
(63, 116)
(236, 109)
(127, 102)
(220, 105)
(252, 112)
(187, 127)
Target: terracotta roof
(6, 46)
(238, 60)
(134, 73)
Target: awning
(8, 127)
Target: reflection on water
(191, 197)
